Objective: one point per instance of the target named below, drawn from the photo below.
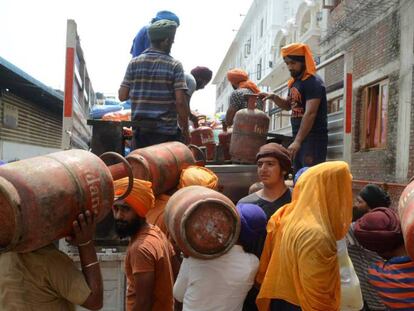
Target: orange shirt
(149, 250)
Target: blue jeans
(312, 151)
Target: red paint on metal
(70, 67)
(204, 136)
(348, 103)
(224, 142)
(249, 133)
(49, 193)
(406, 213)
(204, 223)
(161, 164)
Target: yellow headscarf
(141, 198)
(198, 176)
(299, 262)
(300, 49)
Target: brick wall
(334, 72)
(372, 49)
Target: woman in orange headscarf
(299, 265)
(243, 86)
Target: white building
(253, 49)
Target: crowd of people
(287, 254)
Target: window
(247, 47)
(261, 27)
(259, 70)
(335, 105)
(375, 111)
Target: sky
(33, 37)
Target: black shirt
(268, 207)
(299, 93)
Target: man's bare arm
(183, 112)
(279, 101)
(123, 93)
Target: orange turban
(301, 49)
(240, 78)
(198, 176)
(141, 198)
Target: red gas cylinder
(161, 164)
(41, 197)
(406, 213)
(249, 133)
(224, 141)
(204, 223)
(204, 136)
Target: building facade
(364, 51)
(30, 113)
(253, 46)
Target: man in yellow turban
(242, 86)
(299, 267)
(307, 100)
(150, 263)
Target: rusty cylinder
(204, 136)
(406, 213)
(249, 133)
(204, 223)
(41, 197)
(224, 141)
(161, 164)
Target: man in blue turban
(142, 41)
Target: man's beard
(125, 228)
(295, 74)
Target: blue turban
(298, 174)
(253, 226)
(166, 15)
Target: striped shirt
(394, 281)
(152, 79)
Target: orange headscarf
(240, 78)
(198, 176)
(141, 198)
(299, 262)
(300, 49)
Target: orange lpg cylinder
(42, 196)
(204, 223)
(224, 141)
(204, 136)
(406, 213)
(161, 164)
(249, 133)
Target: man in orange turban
(307, 100)
(150, 263)
(242, 86)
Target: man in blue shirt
(142, 41)
(155, 83)
(307, 101)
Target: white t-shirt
(219, 284)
